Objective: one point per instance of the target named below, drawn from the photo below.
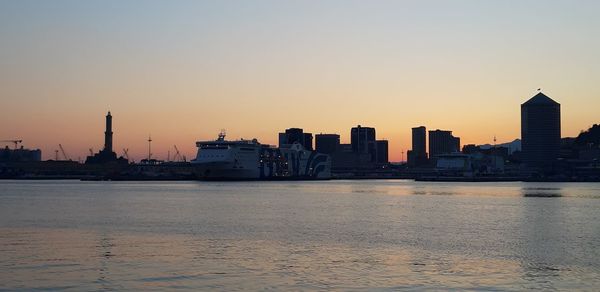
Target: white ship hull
(250, 160)
(224, 171)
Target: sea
(350, 235)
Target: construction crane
(126, 154)
(177, 156)
(62, 150)
(16, 142)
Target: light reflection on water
(542, 192)
(299, 235)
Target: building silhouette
(364, 153)
(382, 151)
(296, 135)
(417, 156)
(540, 131)
(108, 134)
(20, 155)
(308, 141)
(327, 143)
(442, 142)
(363, 141)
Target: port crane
(177, 157)
(126, 154)
(62, 150)
(16, 142)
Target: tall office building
(418, 140)
(382, 151)
(363, 141)
(456, 142)
(540, 131)
(442, 142)
(308, 141)
(327, 143)
(293, 135)
(418, 155)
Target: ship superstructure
(249, 159)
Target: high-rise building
(308, 141)
(382, 151)
(417, 155)
(418, 140)
(442, 142)
(363, 141)
(327, 143)
(540, 131)
(296, 135)
(456, 142)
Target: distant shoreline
(421, 179)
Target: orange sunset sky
(182, 71)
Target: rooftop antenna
(149, 147)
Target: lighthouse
(108, 134)
(106, 155)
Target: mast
(149, 147)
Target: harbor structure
(20, 155)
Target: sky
(183, 70)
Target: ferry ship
(251, 160)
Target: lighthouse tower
(106, 155)
(108, 134)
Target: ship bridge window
(214, 147)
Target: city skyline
(182, 72)
(164, 151)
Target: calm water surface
(344, 235)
